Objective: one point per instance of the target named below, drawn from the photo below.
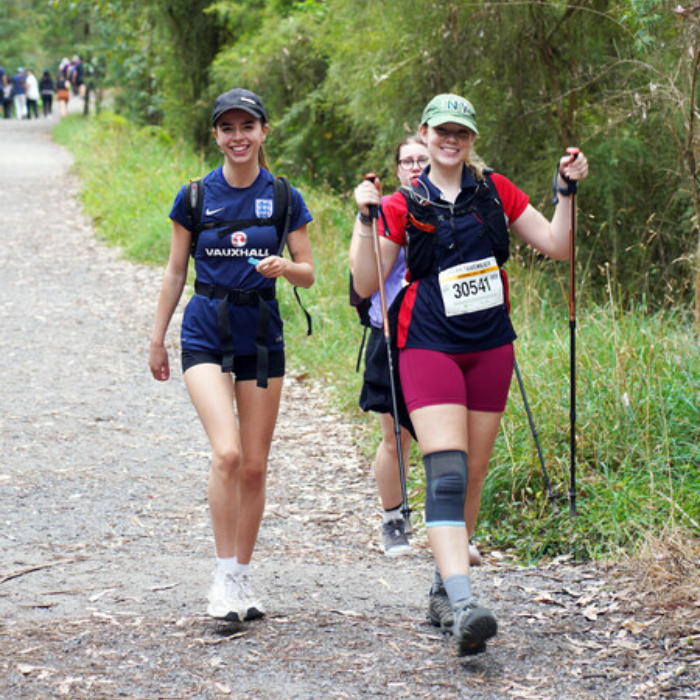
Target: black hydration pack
(281, 219)
(424, 215)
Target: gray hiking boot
(440, 609)
(473, 627)
(396, 543)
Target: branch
(32, 569)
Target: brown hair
(262, 158)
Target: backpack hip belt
(241, 297)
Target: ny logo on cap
(458, 106)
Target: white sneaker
(231, 598)
(254, 609)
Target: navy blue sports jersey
(223, 262)
(462, 305)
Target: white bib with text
(471, 287)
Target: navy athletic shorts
(245, 367)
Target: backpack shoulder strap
(490, 209)
(282, 215)
(194, 196)
(282, 210)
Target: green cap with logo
(450, 108)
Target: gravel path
(106, 544)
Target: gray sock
(458, 588)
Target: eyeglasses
(410, 163)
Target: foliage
(344, 80)
(130, 177)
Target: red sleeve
(514, 200)
(395, 211)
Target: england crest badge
(263, 208)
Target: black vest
(423, 217)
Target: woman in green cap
(453, 330)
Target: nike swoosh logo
(213, 211)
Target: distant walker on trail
(453, 330)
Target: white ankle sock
(240, 568)
(394, 514)
(226, 565)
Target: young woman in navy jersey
(235, 382)
(456, 348)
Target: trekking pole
(374, 215)
(572, 333)
(533, 430)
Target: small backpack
(362, 305)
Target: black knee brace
(445, 487)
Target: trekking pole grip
(373, 209)
(572, 184)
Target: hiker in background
(19, 93)
(5, 93)
(453, 330)
(233, 356)
(63, 86)
(46, 87)
(32, 95)
(77, 76)
(410, 157)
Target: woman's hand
(273, 266)
(367, 194)
(158, 362)
(573, 166)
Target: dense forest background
(343, 80)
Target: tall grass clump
(637, 432)
(130, 176)
(638, 372)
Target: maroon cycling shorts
(477, 380)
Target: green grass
(638, 387)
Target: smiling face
(449, 144)
(240, 136)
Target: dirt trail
(106, 544)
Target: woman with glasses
(453, 331)
(410, 157)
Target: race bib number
(471, 287)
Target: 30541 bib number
(471, 287)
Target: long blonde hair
(475, 163)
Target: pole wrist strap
(567, 191)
